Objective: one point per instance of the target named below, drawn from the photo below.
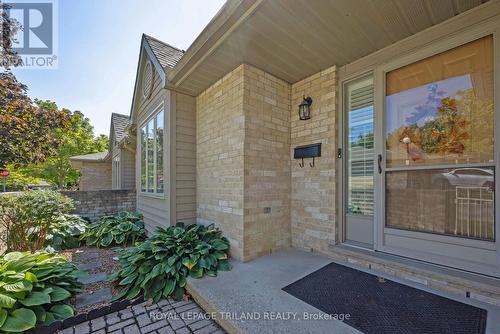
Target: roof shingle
(120, 123)
(167, 55)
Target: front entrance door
(359, 153)
(437, 162)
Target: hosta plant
(35, 289)
(65, 232)
(159, 266)
(123, 229)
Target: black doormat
(378, 306)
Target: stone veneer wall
(220, 134)
(267, 164)
(93, 204)
(313, 189)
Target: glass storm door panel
(439, 171)
(359, 150)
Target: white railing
(474, 216)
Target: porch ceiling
(294, 39)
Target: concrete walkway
(253, 289)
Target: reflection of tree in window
(143, 158)
(151, 157)
(159, 153)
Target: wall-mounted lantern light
(305, 108)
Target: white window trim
(152, 116)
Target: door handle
(379, 162)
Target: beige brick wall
(247, 180)
(267, 164)
(95, 175)
(243, 166)
(313, 189)
(219, 156)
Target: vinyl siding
(185, 160)
(128, 169)
(156, 209)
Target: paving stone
(66, 331)
(207, 329)
(176, 323)
(87, 255)
(154, 326)
(83, 328)
(98, 296)
(163, 302)
(118, 331)
(192, 315)
(166, 307)
(89, 266)
(143, 320)
(183, 330)
(132, 329)
(121, 324)
(138, 309)
(97, 324)
(93, 278)
(126, 313)
(125, 322)
(112, 318)
(186, 307)
(179, 303)
(199, 324)
(165, 330)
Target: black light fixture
(305, 108)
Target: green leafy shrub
(159, 266)
(65, 232)
(25, 218)
(35, 289)
(123, 229)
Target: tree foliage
(75, 139)
(28, 131)
(10, 27)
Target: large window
(440, 141)
(152, 139)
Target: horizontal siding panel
(154, 211)
(186, 184)
(185, 200)
(186, 162)
(186, 207)
(186, 192)
(185, 158)
(185, 177)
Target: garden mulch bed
(98, 263)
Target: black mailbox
(307, 151)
